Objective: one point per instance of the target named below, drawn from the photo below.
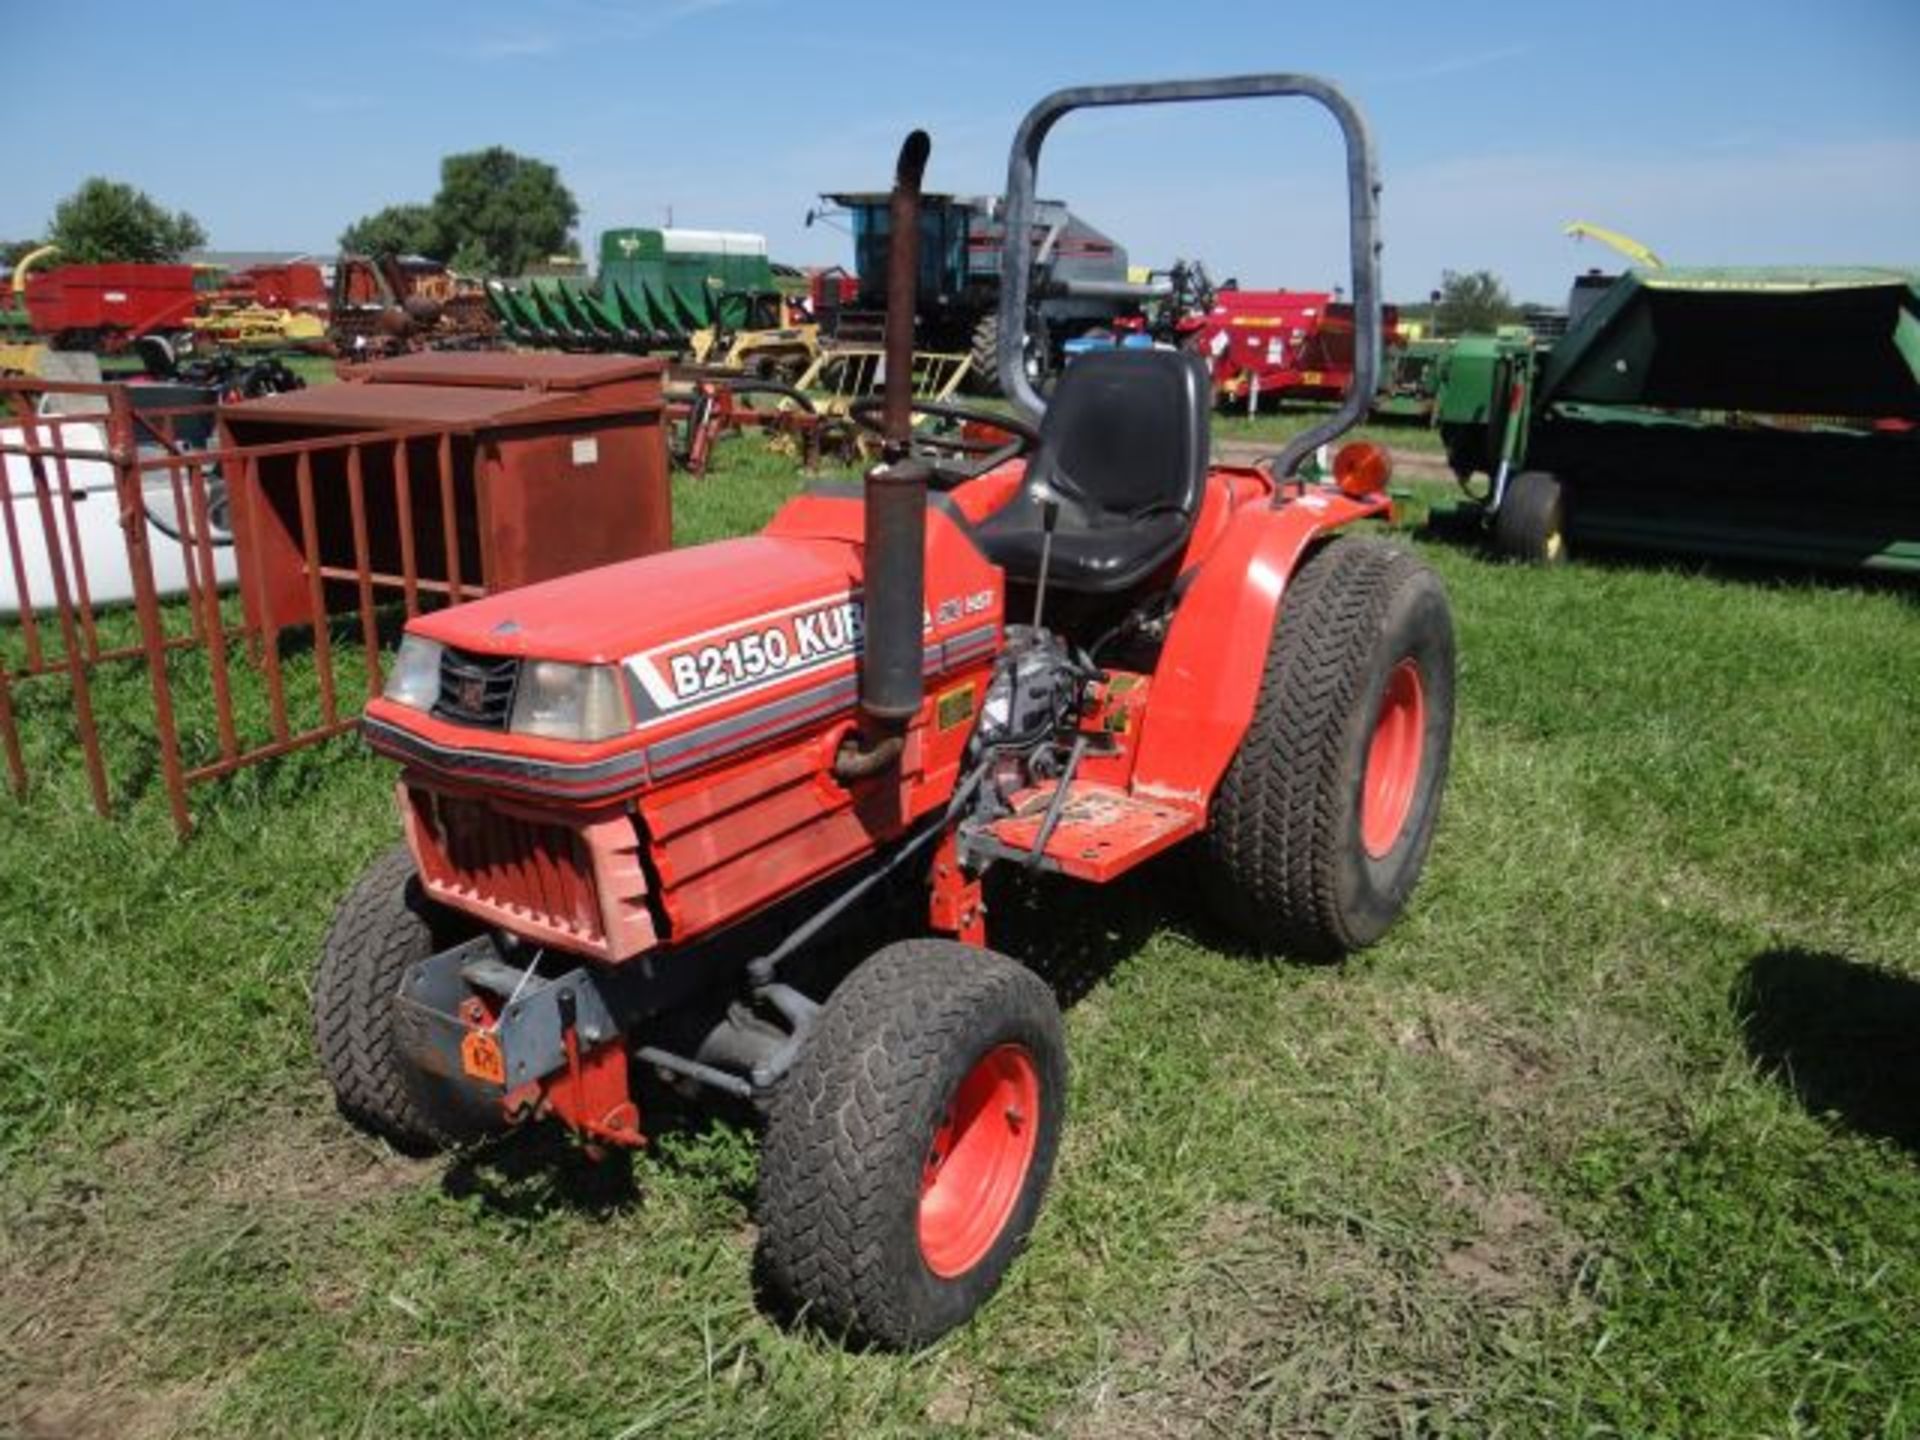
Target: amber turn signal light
(1361, 469)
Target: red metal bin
(479, 472)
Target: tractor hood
(718, 648)
(606, 615)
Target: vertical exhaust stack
(891, 683)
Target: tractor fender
(1208, 678)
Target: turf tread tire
(841, 1160)
(1531, 515)
(1282, 835)
(384, 924)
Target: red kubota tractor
(636, 798)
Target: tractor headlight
(568, 702)
(415, 680)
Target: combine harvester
(1080, 281)
(1768, 414)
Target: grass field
(1618, 1133)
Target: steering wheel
(935, 446)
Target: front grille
(476, 689)
(579, 882)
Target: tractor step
(1103, 831)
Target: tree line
(495, 213)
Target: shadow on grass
(1843, 1036)
(1766, 574)
(542, 1169)
(538, 1170)
(1073, 935)
(1462, 526)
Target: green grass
(1616, 1134)
(314, 369)
(1289, 421)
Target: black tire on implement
(1531, 524)
(854, 1143)
(1303, 856)
(385, 923)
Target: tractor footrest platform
(1103, 830)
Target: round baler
(633, 798)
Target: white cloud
(1457, 64)
(333, 102)
(509, 47)
(587, 23)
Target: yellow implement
(21, 359)
(27, 262)
(1613, 239)
(785, 354)
(849, 373)
(259, 325)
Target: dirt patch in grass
(84, 1263)
(85, 1412)
(311, 1163)
(956, 1398)
(1275, 1326)
(1506, 1066)
(1522, 1254)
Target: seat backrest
(1127, 431)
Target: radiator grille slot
(537, 870)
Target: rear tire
(1320, 827)
(385, 924)
(1531, 524)
(909, 1147)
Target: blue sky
(1716, 133)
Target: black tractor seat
(1123, 448)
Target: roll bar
(1363, 230)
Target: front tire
(385, 924)
(909, 1147)
(1320, 827)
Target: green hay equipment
(1765, 414)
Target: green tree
(396, 230)
(502, 209)
(106, 220)
(496, 213)
(1472, 301)
(471, 257)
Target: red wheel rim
(1393, 760)
(977, 1164)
